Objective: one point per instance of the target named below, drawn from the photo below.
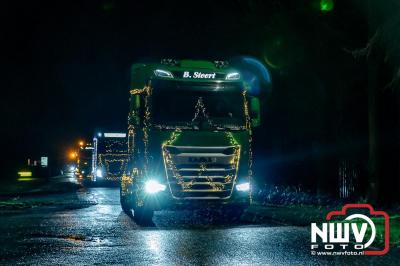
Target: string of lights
(250, 133)
(201, 108)
(105, 160)
(146, 127)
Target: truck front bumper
(164, 200)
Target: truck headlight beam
(243, 187)
(153, 186)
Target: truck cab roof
(187, 71)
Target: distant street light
(73, 155)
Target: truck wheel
(143, 215)
(126, 207)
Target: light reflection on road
(103, 234)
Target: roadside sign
(44, 161)
(115, 135)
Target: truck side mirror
(255, 112)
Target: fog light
(153, 186)
(243, 186)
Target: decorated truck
(110, 157)
(84, 162)
(189, 138)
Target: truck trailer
(190, 130)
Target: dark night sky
(66, 63)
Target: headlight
(243, 186)
(163, 73)
(99, 173)
(232, 76)
(153, 186)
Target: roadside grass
(394, 225)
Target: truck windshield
(85, 154)
(216, 110)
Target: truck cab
(189, 138)
(84, 163)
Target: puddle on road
(73, 239)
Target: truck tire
(125, 205)
(143, 215)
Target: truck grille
(201, 172)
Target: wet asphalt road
(103, 234)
